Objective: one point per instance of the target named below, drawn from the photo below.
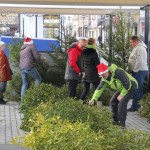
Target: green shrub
(72, 110)
(54, 134)
(48, 75)
(99, 118)
(41, 93)
(145, 106)
(14, 88)
(14, 50)
(118, 139)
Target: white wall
(30, 25)
(40, 26)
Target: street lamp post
(23, 27)
(83, 26)
(69, 24)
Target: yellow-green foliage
(42, 93)
(99, 118)
(54, 134)
(59, 123)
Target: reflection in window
(51, 26)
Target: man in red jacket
(5, 72)
(74, 66)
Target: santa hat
(28, 41)
(102, 68)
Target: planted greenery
(72, 110)
(14, 88)
(48, 74)
(145, 106)
(99, 118)
(56, 122)
(55, 133)
(117, 45)
(41, 93)
(118, 139)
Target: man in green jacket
(124, 85)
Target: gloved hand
(119, 98)
(83, 74)
(91, 102)
(79, 74)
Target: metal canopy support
(147, 38)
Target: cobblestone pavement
(10, 121)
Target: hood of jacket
(74, 45)
(112, 69)
(24, 46)
(90, 49)
(142, 44)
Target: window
(51, 26)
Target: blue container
(41, 45)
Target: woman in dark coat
(91, 60)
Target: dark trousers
(119, 108)
(87, 88)
(140, 77)
(72, 88)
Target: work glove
(119, 98)
(91, 102)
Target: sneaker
(117, 123)
(2, 101)
(132, 110)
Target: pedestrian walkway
(10, 121)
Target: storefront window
(9, 24)
(51, 26)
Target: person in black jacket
(90, 60)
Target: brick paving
(10, 121)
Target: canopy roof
(80, 2)
(49, 10)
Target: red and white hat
(28, 41)
(102, 68)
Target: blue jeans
(140, 77)
(32, 72)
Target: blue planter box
(41, 45)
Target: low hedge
(72, 110)
(145, 106)
(56, 122)
(55, 133)
(41, 93)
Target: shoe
(117, 123)
(132, 110)
(2, 101)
